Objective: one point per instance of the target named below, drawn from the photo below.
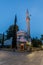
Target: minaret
(28, 23)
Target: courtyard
(21, 58)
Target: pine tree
(14, 40)
(10, 31)
(3, 40)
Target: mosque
(23, 38)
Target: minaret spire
(27, 12)
(28, 22)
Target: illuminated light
(27, 20)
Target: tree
(14, 40)
(41, 37)
(36, 42)
(10, 31)
(3, 41)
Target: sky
(8, 9)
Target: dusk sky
(8, 9)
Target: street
(21, 58)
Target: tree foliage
(14, 40)
(3, 41)
(41, 37)
(36, 42)
(10, 31)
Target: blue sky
(8, 9)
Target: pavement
(21, 58)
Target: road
(18, 58)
